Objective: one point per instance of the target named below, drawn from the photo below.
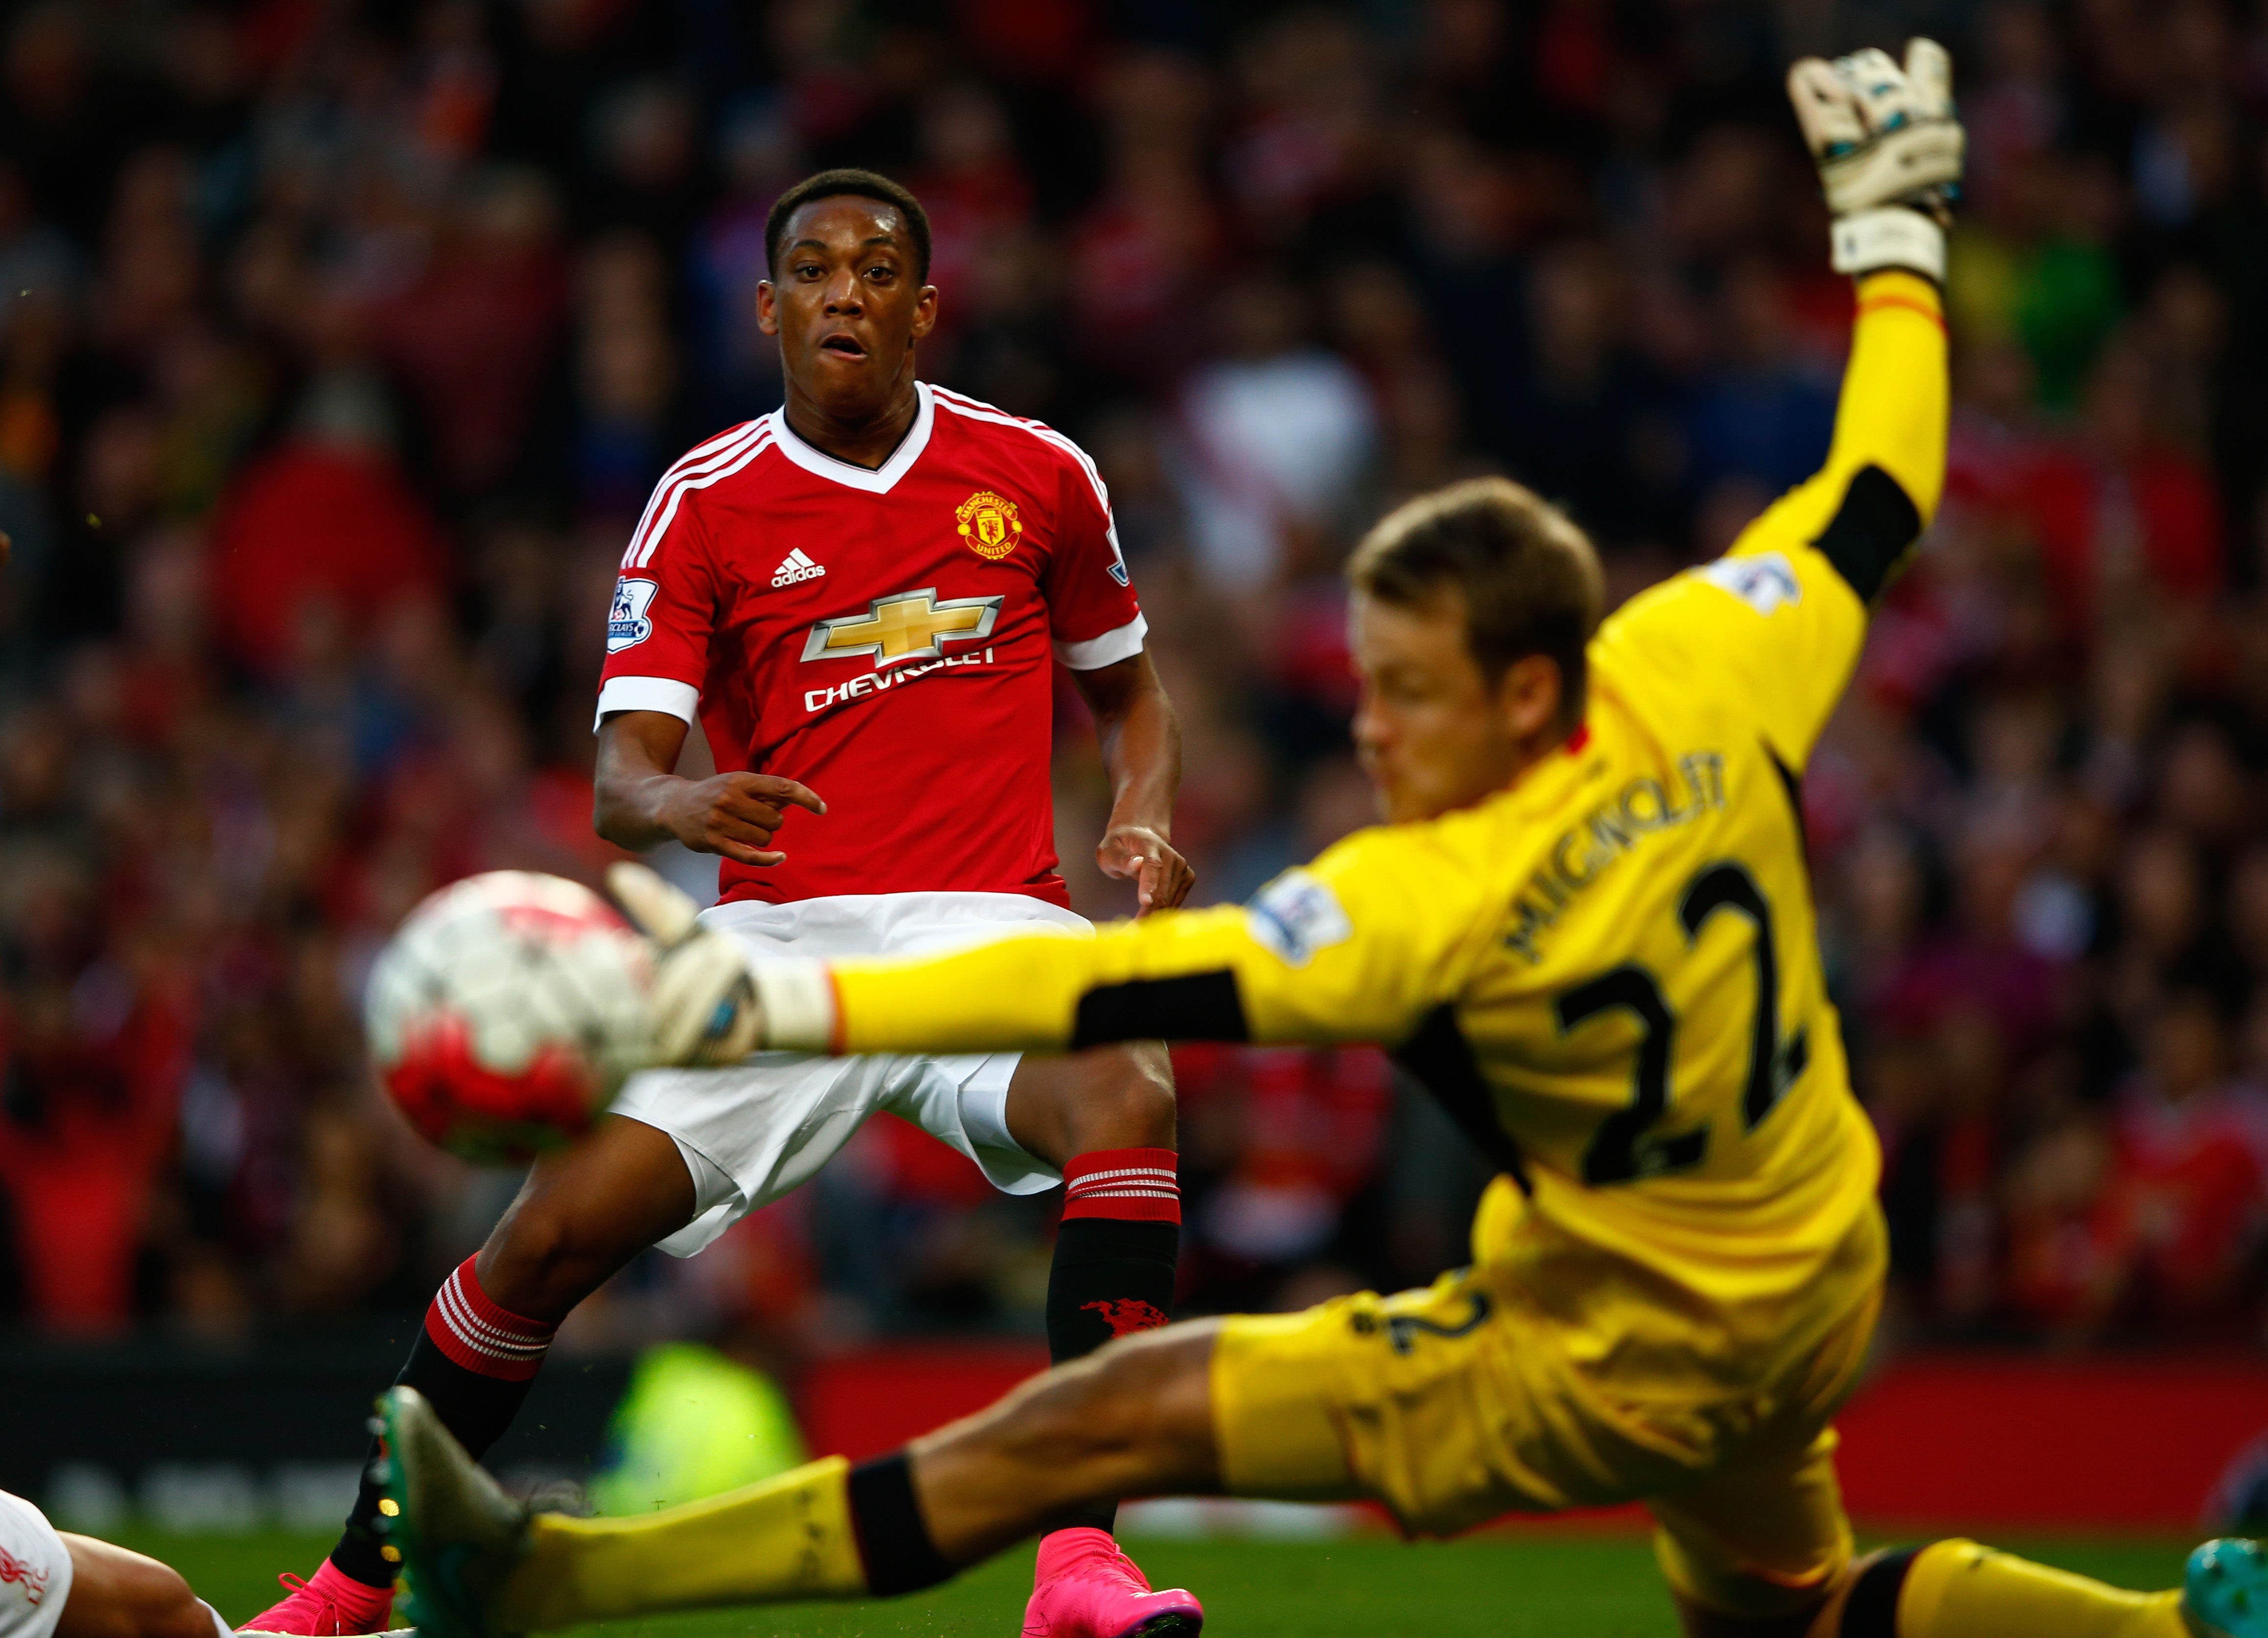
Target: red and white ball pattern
(507, 1011)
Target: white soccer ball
(506, 1011)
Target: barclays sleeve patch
(1763, 582)
(627, 625)
(1295, 916)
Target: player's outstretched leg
(1136, 1420)
(582, 1215)
(1106, 1118)
(1958, 1588)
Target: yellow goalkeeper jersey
(1609, 973)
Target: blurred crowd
(340, 344)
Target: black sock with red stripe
(474, 1361)
(1115, 1257)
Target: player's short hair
(1529, 577)
(848, 184)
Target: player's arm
(1863, 511)
(1379, 932)
(641, 802)
(1362, 946)
(1889, 154)
(1096, 623)
(664, 614)
(1810, 568)
(1141, 737)
(1782, 618)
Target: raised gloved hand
(1889, 150)
(705, 999)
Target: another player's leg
(581, 1215)
(117, 1594)
(65, 1586)
(1106, 1119)
(1135, 1420)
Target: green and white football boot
(459, 1534)
(2225, 1590)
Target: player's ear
(925, 311)
(1528, 696)
(767, 308)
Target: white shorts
(35, 1570)
(752, 1132)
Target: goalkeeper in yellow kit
(1589, 930)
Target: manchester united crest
(989, 524)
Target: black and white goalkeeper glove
(713, 1003)
(1889, 150)
(704, 1000)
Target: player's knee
(173, 1610)
(1115, 1413)
(582, 1215)
(1077, 1412)
(1127, 1411)
(544, 1257)
(1130, 1103)
(118, 1594)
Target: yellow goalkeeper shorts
(1472, 1399)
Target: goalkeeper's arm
(1781, 647)
(1889, 155)
(1885, 469)
(1360, 947)
(1802, 576)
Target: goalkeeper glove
(704, 1003)
(1889, 150)
(713, 1003)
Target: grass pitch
(1507, 1584)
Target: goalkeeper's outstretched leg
(1140, 1418)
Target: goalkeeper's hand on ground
(1889, 150)
(713, 1003)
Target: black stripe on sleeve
(1194, 1007)
(1441, 1060)
(1871, 531)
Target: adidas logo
(795, 566)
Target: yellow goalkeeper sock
(785, 1538)
(1959, 1590)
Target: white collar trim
(819, 464)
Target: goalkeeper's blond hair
(1529, 577)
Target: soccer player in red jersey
(861, 598)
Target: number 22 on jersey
(1627, 1145)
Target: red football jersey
(883, 636)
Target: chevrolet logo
(904, 626)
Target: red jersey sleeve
(665, 608)
(1090, 604)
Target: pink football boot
(1084, 1587)
(333, 1605)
